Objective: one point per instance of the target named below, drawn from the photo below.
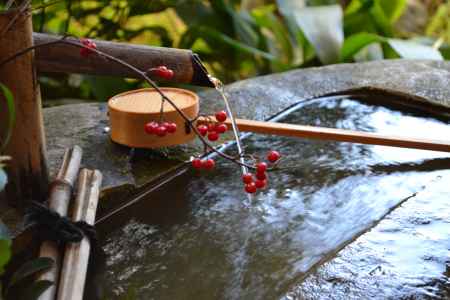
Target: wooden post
(76, 257)
(60, 194)
(27, 171)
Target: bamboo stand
(76, 258)
(60, 194)
(27, 172)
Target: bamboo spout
(63, 58)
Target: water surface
(199, 237)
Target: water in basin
(199, 237)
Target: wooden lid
(149, 100)
(130, 111)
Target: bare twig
(143, 75)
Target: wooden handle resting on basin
(340, 135)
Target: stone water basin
(199, 236)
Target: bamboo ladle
(130, 111)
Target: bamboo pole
(60, 193)
(340, 135)
(65, 58)
(27, 171)
(76, 258)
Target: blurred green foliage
(241, 38)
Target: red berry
(221, 128)
(250, 188)
(261, 167)
(202, 129)
(208, 164)
(221, 116)
(197, 163)
(171, 127)
(260, 183)
(161, 131)
(273, 156)
(163, 72)
(167, 74)
(150, 127)
(86, 51)
(213, 136)
(211, 127)
(247, 178)
(261, 176)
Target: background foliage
(243, 38)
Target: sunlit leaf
(322, 26)
(31, 267)
(356, 42)
(9, 98)
(414, 50)
(381, 20)
(393, 9)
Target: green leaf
(370, 52)
(356, 42)
(322, 26)
(104, 87)
(213, 36)
(31, 267)
(393, 9)
(8, 96)
(277, 36)
(380, 20)
(36, 289)
(413, 50)
(5, 253)
(3, 180)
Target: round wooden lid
(149, 101)
(130, 111)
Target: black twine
(51, 226)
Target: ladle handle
(340, 135)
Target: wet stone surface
(406, 256)
(265, 250)
(199, 237)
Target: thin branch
(145, 77)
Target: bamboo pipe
(76, 258)
(60, 193)
(339, 135)
(63, 58)
(27, 171)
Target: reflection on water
(200, 238)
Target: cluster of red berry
(214, 130)
(207, 164)
(88, 46)
(162, 71)
(160, 129)
(259, 181)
